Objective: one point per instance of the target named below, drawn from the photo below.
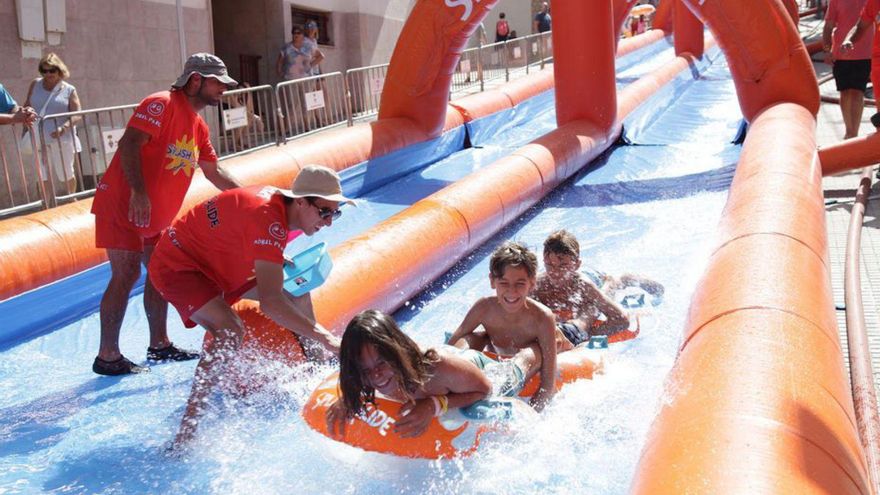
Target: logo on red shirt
(278, 231)
(156, 108)
(184, 155)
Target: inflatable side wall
(758, 400)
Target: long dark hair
(395, 347)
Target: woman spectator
(51, 94)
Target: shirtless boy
(515, 324)
(575, 298)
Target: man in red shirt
(868, 23)
(212, 256)
(851, 67)
(164, 142)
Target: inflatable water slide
(636, 147)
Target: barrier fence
(73, 149)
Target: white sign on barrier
(549, 43)
(111, 139)
(495, 59)
(517, 52)
(465, 66)
(233, 118)
(534, 48)
(314, 100)
(376, 85)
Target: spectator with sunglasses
(232, 247)
(51, 94)
(299, 58)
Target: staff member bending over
(208, 259)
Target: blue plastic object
(497, 409)
(307, 270)
(598, 342)
(633, 301)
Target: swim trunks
(506, 377)
(574, 334)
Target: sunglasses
(325, 212)
(50, 70)
(297, 33)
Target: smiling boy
(577, 300)
(514, 323)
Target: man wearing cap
(232, 246)
(164, 142)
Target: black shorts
(852, 74)
(574, 334)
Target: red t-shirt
(222, 237)
(179, 138)
(869, 14)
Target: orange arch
(427, 52)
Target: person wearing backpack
(502, 29)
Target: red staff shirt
(179, 138)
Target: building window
(301, 16)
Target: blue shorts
(506, 377)
(574, 334)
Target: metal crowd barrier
(74, 162)
(469, 72)
(364, 86)
(247, 119)
(311, 104)
(21, 180)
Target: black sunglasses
(297, 32)
(325, 212)
(50, 70)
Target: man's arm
(827, 40)
(547, 342)
(218, 175)
(130, 145)
(277, 306)
(472, 320)
(855, 34)
(18, 115)
(317, 57)
(465, 383)
(616, 318)
(279, 64)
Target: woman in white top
(49, 95)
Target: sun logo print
(184, 155)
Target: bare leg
(851, 105)
(156, 308)
(858, 108)
(529, 360)
(124, 272)
(227, 329)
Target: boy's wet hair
(400, 352)
(562, 242)
(512, 254)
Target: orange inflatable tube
(758, 400)
(850, 154)
(454, 434)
